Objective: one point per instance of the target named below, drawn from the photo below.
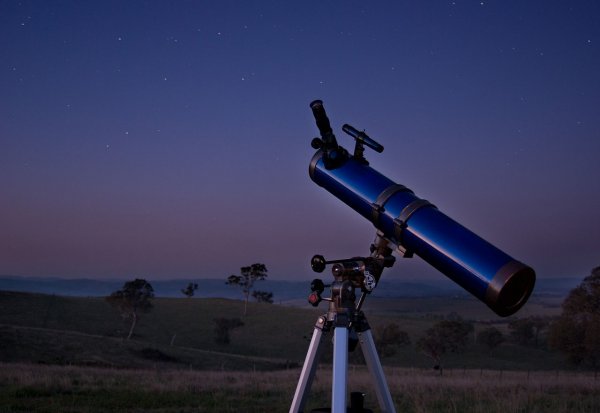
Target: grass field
(26, 387)
(68, 354)
(179, 332)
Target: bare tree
(249, 275)
(134, 298)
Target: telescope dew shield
(491, 275)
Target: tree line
(576, 332)
(135, 298)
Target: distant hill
(283, 291)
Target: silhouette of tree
(490, 337)
(189, 290)
(223, 326)
(249, 275)
(444, 337)
(134, 298)
(576, 332)
(390, 338)
(263, 296)
(527, 331)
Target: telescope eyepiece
(321, 118)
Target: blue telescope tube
(418, 227)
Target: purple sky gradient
(172, 139)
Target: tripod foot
(357, 401)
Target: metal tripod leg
(309, 369)
(372, 359)
(340, 370)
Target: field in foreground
(180, 333)
(38, 388)
(68, 354)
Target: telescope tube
(417, 226)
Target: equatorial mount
(354, 271)
(349, 326)
(358, 272)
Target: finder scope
(415, 225)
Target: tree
(490, 337)
(263, 296)
(527, 331)
(222, 328)
(576, 332)
(134, 298)
(189, 290)
(249, 275)
(444, 337)
(389, 338)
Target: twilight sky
(170, 139)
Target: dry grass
(38, 388)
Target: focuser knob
(314, 299)
(318, 263)
(317, 285)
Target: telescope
(414, 225)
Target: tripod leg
(340, 370)
(308, 370)
(370, 352)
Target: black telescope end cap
(510, 288)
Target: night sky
(172, 139)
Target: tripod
(349, 326)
